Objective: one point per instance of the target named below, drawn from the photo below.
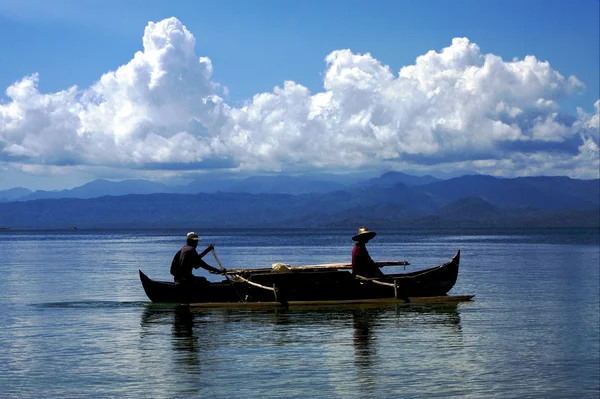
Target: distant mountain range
(393, 199)
(279, 184)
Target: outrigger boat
(330, 284)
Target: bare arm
(203, 264)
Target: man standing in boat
(187, 259)
(362, 264)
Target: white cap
(192, 236)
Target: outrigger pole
(225, 274)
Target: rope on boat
(397, 293)
(413, 275)
(255, 284)
(225, 274)
(376, 281)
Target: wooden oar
(225, 274)
(322, 266)
(207, 250)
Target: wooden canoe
(263, 288)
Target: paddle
(207, 250)
(225, 273)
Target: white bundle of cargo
(280, 268)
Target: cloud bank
(453, 109)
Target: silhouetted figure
(187, 259)
(362, 264)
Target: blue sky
(524, 127)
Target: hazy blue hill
(399, 195)
(586, 191)
(538, 219)
(273, 184)
(207, 185)
(102, 187)
(393, 178)
(153, 210)
(469, 208)
(575, 217)
(283, 185)
(348, 207)
(540, 193)
(13, 193)
(276, 184)
(425, 193)
(470, 200)
(376, 215)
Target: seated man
(362, 264)
(187, 259)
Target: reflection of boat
(314, 286)
(184, 340)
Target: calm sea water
(75, 321)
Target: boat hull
(309, 286)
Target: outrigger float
(311, 285)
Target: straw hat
(192, 236)
(364, 234)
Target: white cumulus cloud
(457, 107)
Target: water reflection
(363, 336)
(365, 347)
(362, 340)
(184, 336)
(184, 341)
(378, 336)
(440, 315)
